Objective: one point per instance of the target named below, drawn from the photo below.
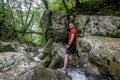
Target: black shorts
(71, 49)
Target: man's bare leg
(65, 61)
(77, 59)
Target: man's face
(71, 25)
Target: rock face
(104, 51)
(100, 46)
(20, 66)
(57, 24)
(53, 54)
(98, 25)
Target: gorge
(98, 46)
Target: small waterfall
(36, 58)
(76, 74)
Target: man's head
(71, 25)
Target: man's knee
(66, 55)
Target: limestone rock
(104, 52)
(16, 63)
(15, 66)
(97, 25)
(92, 70)
(100, 46)
(5, 47)
(56, 23)
(56, 54)
(48, 47)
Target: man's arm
(71, 39)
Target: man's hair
(71, 23)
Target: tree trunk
(77, 3)
(45, 3)
(65, 5)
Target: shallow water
(73, 72)
(76, 74)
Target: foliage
(87, 7)
(5, 21)
(19, 20)
(98, 7)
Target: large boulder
(53, 54)
(17, 63)
(98, 25)
(15, 46)
(16, 66)
(104, 52)
(100, 46)
(56, 24)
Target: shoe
(77, 66)
(62, 70)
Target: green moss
(106, 67)
(114, 34)
(47, 61)
(118, 33)
(114, 70)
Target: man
(71, 46)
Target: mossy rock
(107, 67)
(48, 48)
(42, 56)
(112, 70)
(6, 47)
(115, 34)
(47, 61)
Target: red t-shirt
(73, 31)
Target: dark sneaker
(62, 70)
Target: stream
(73, 72)
(76, 74)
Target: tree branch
(28, 13)
(32, 32)
(21, 14)
(45, 3)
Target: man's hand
(67, 46)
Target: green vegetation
(19, 20)
(87, 7)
